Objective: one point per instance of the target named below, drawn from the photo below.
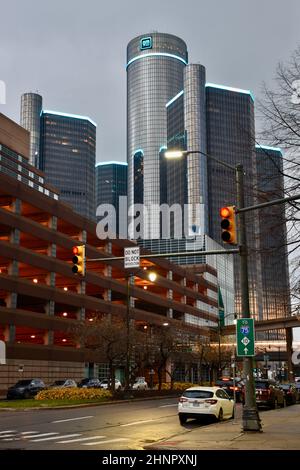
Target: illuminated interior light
(65, 288)
(32, 336)
(174, 98)
(76, 116)
(165, 323)
(65, 314)
(228, 88)
(91, 319)
(35, 281)
(266, 147)
(156, 54)
(145, 287)
(145, 327)
(64, 340)
(111, 163)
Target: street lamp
(152, 276)
(251, 420)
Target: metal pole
(127, 367)
(219, 366)
(251, 420)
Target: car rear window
(197, 394)
(262, 385)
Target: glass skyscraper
(111, 183)
(155, 64)
(68, 156)
(273, 236)
(31, 107)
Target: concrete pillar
(289, 350)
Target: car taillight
(234, 388)
(211, 401)
(183, 400)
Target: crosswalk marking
(105, 442)
(6, 435)
(5, 432)
(72, 419)
(41, 435)
(80, 439)
(55, 437)
(29, 432)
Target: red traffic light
(75, 250)
(225, 212)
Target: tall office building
(111, 184)
(273, 236)
(230, 138)
(31, 107)
(68, 157)
(155, 64)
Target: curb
(87, 405)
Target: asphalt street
(109, 427)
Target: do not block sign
(132, 257)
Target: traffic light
(228, 225)
(78, 259)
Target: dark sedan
(89, 383)
(25, 389)
(290, 393)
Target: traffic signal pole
(251, 420)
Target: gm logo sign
(146, 43)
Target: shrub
(73, 394)
(176, 385)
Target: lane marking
(137, 422)
(165, 406)
(7, 435)
(81, 439)
(29, 432)
(41, 435)
(5, 432)
(72, 419)
(105, 442)
(54, 437)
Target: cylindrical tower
(195, 127)
(31, 107)
(155, 64)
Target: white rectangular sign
(132, 257)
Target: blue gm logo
(146, 43)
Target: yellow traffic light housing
(78, 260)
(228, 225)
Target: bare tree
(279, 110)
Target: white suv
(205, 401)
(104, 384)
(140, 384)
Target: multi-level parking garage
(40, 297)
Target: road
(107, 427)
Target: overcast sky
(74, 52)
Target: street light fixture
(152, 276)
(251, 420)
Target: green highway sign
(245, 343)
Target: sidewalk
(281, 431)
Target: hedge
(73, 394)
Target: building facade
(273, 236)
(155, 64)
(111, 184)
(41, 300)
(68, 157)
(31, 108)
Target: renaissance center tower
(155, 65)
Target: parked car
(66, 383)
(140, 384)
(196, 402)
(25, 389)
(290, 393)
(105, 384)
(268, 393)
(89, 383)
(297, 385)
(231, 386)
